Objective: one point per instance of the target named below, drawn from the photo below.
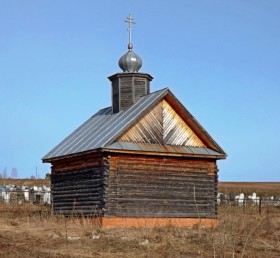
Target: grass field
(261, 188)
(241, 232)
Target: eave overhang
(210, 155)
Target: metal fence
(31, 200)
(259, 204)
(28, 200)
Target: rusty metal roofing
(104, 128)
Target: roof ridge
(164, 89)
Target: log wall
(161, 187)
(134, 186)
(78, 186)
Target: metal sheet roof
(102, 127)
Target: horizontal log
(86, 184)
(156, 206)
(160, 198)
(162, 212)
(148, 205)
(158, 181)
(163, 162)
(164, 170)
(80, 208)
(161, 209)
(85, 164)
(91, 170)
(90, 192)
(163, 188)
(161, 173)
(80, 178)
(72, 180)
(161, 215)
(85, 197)
(142, 187)
(97, 212)
(159, 187)
(152, 174)
(63, 205)
(79, 198)
(77, 175)
(162, 177)
(93, 189)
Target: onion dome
(130, 62)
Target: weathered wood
(170, 186)
(174, 197)
(79, 171)
(162, 215)
(87, 184)
(81, 188)
(126, 90)
(82, 192)
(151, 176)
(66, 205)
(149, 186)
(78, 198)
(137, 186)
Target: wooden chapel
(143, 161)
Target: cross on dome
(130, 62)
(130, 21)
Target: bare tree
(4, 174)
(14, 173)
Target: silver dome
(130, 62)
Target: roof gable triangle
(162, 125)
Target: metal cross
(130, 21)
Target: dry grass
(34, 234)
(26, 182)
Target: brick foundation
(156, 222)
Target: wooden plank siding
(161, 187)
(162, 125)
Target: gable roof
(104, 128)
(162, 125)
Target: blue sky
(220, 58)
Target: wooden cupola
(130, 85)
(127, 88)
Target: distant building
(143, 161)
